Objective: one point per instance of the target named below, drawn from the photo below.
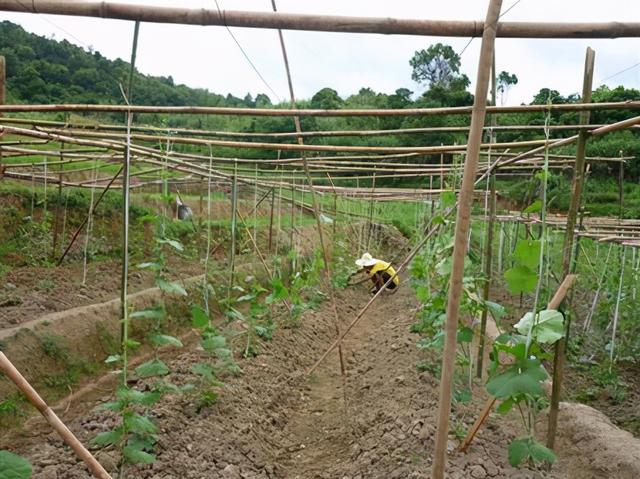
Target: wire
(246, 56)
(501, 15)
(620, 72)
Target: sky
(208, 57)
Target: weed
(45, 284)
(54, 347)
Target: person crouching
(379, 271)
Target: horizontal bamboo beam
(217, 110)
(323, 23)
(305, 134)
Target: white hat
(366, 260)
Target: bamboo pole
(286, 134)
(34, 398)
(567, 250)
(326, 23)
(461, 236)
(234, 212)
(212, 110)
(75, 235)
(327, 266)
(3, 80)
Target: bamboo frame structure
(325, 23)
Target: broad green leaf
(141, 443)
(150, 313)
(465, 335)
(131, 344)
(158, 339)
(114, 358)
(151, 265)
(133, 396)
(199, 317)
(505, 406)
(212, 343)
(203, 370)
(527, 252)
(497, 310)
(170, 287)
(520, 279)
(13, 466)
(135, 456)
(108, 438)
(116, 406)
(548, 329)
(533, 207)
(524, 377)
(278, 293)
(173, 243)
(447, 199)
(155, 367)
(520, 450)
(540, 453)
(139, 424)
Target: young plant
(13, 466)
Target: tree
(326, 99)
(437, 65)
(504, 83)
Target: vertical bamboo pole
(234, 227)
(567, 249)
(616, 314)
(3, 80)
(124, 329)
(273, 200)
(620, 185)
(34, 398)
(56, 224)
(314, 203)
(463, 221)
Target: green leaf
(150, 313)
(524, 377)
(497, 310)
(527, 252)
(548, 329)
(133, 396)
(203, 370)
(170, 287)
(447, 199)
(465, 335)
(155, 367)
(199, 317)
(173, 243)
(114, 358)
(279, 292)
(131, 344)
(13, 466)
(520, 450)
(141, 443)
(533, 207)
(108, 438)
(246, 297)
(151, 266)
(139, 424)
(505, 406)
(158, 339)
(520, 279)
(116, 406)
(135, 456)
(212, 343)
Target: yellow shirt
(384, 267)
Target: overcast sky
(207, 57)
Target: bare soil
(275, 422)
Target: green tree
(437, 65)
(504, 83)
(326, 99)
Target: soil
(275, 422)
(39, 290)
